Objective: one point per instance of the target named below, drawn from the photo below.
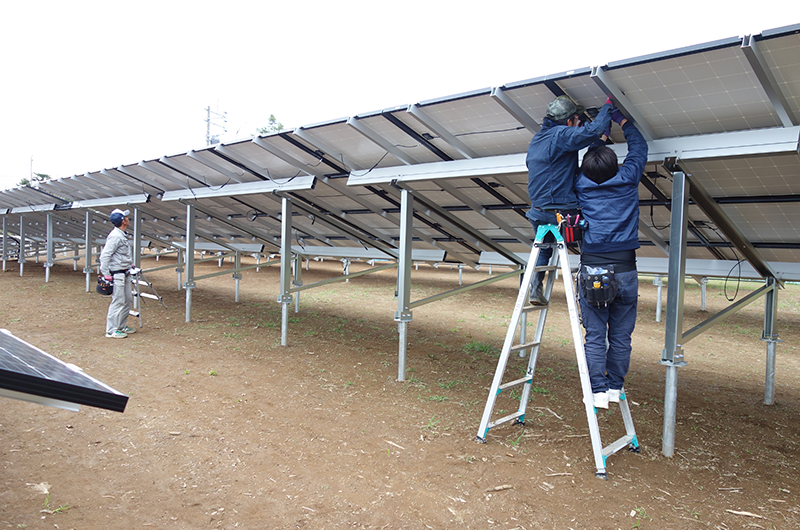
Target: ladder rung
(531, 307)
(150, 296)
(512, 384)
(617, 445)
(524, 346)
(133, 313)
(506, 419)
(543, 268)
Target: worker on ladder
(552, 163)
(608, 280)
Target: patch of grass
(212, 373)
(474, 346)
(447, 385)
(433, 422)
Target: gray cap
(563, 107)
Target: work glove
(109, 278)
(617, 116)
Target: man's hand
(617, 116)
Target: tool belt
(123, 271)
(598, 285)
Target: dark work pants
(614, 322)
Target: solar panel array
(28, 373)
(463, 158)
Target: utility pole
(213, 118)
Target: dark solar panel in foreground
(28, 370)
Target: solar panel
(30, 374)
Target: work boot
(538, 297)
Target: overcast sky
(92, 85)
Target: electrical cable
(728, 276)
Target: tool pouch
(104, 286)
(572, 227)
(598, 285)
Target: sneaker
(128, 330)
(613, 395)
(600, 400)
(116, 334)
(538, 297)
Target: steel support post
(659, 283)
(137, 250)
(523, 319)
(137, 238)
(21, 254)
(770, 336)
(48, 248)
(285, 296)
(189, 284)
(672, 355)
(87, 243)
(181, 256)
(237, 274)
(403, 315)
(703, 290)
(298, 280)
(5, 243)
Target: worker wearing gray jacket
(116, 260)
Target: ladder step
(506, 419)
(133, 313)
(617, 445)
(544, 268)
(531, 307)
(150, 296)
(512, 384)
(140, 282)
(524, 346)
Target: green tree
(273, 125)
(37, 177)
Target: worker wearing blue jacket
(552, 163)
(608, 279)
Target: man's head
(564, 111)
(119, 217)
(600, 164)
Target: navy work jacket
(553, 161)
(612, 208)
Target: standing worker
(608, 279)
(552, 163)
(115, 262)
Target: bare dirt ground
(227, 429)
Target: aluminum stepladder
(522, 306)
(138, 281)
